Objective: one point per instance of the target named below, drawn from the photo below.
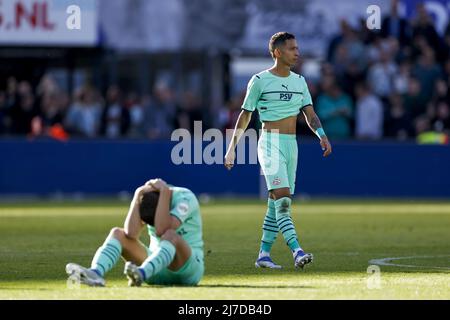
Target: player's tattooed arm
(314, 122)
(311, 118)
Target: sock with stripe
(158, 260)
(106, 256)
(285, 224)
(270, 229)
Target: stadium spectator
(11, 98)
(398, 121)
(427, 72)
(190, 111)
(52, 105)
(414, 100)
(3, 112)
(346, 36)
(446, 44)
(374, 49)
(160, 112)
(11, 92)
(23, 112)
(423, 26)
(232, 111)
(447, 71)
(53, 108)
(115, 119)
(83, 117)
(23, 107)
(137, 115)
(401, 78)
(381, 75)
(441, 120)
(395, 26)
(366, 35)
(24, 88)
(422, 125)
(348, 49)
(351, 77)
(335, 110)
(369, 114)
(47, 85)
(441, 91)
(337, 39)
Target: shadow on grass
(243, 286)
(22, 289)
(236, 286)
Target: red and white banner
(48, 22)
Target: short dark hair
(278, 40)
(147, 206)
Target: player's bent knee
(117, 233)
(280, 193)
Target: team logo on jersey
(286, 96)
(183, 208)
(276, 182)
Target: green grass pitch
(36, 242)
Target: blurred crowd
(50, 111)
(393, 83)
(373, 84)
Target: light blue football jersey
(276, 97)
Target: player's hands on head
(150, 182)
(229, 159)
(326, 146)
(156, 184)
(144, 188)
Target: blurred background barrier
(107, 168)
(142, 68)
(98, 104)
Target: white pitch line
(387, 262)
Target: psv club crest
(276, 182)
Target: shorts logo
(276, 182)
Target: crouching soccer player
(175, 255)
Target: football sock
(106, 256)
(285, 224)
(158, 260)
(270, 229)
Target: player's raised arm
(316, 126)
(163, 220)
(133, 223)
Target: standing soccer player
(279, 95)
(175, 255)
